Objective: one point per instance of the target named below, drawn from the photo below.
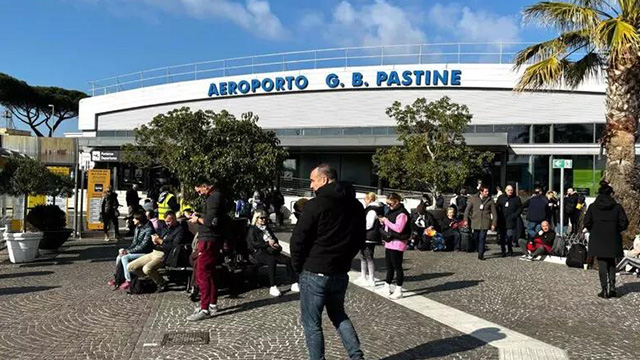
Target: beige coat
(481, 214)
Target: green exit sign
(562, 164)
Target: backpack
(577, 256)
(559, 247)
(118, 276)
(142, 286)
(423, 243)
(438, 243)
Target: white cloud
(376, 23)
(254, 16)
(464, 24)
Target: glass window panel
(541, 171)
(599, 131)
(484, 128)
(518, 134)
(288, 132)
(391, 131)
(470, 129)
(380, 130)
(541, 134)
(573, 133)
(331, 132)
(311, 132)
(357, 131)
(518, 172)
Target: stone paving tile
(549, 302)
(61, 308)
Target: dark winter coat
(330, 232)
(538, 208)
(255, 238)
(142, 243)
(509, 209)
(215, 217)
(605, 220)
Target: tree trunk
(623, 111)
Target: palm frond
(563, 16)
(545, 73)
(564, 44)
(587, 67)
(617, 37)
(629, 10)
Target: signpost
(562, 164)
(98, 182)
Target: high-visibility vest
(184, 206)
(163, 207)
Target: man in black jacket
(212, 226)
(538, 206)
(133, 205)
(173, 236)
(327, 237)
(509, 209)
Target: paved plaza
(61, 308)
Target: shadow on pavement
(427, 276)
(448, 286)
(449, 346)
(24, 289)
(287, 297)
(25, 274)
(629, 288)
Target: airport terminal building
(329, 106)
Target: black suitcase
(466, 242)
(577, 256)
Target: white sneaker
(213, 309)
(106, 238)
(273, 291)
(295, 287)
(371, 283)
(199, 315)
(361, 280)
(385, 290)
(397, 294)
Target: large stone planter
(52, 240)
(22, 247)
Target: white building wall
(484, 88)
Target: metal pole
(500, 52)
(75, 200)
(561, 232)
(81, 206)
(458, 53)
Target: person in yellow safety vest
(184, 205)
(166, 202)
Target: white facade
(485, 88)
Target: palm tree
(596, 38)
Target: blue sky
(70, 42)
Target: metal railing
(300, 187)
(454, 53)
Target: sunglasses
(262, 217)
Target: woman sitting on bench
(266, 250)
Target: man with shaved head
(328, 235)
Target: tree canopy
(23, 176)
(31, 104)
(236, 154)
(434, 155)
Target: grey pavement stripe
(511, 344)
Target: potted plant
(22, 176)
(51, 221)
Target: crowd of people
(334, 227)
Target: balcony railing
(452, 53)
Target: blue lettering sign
(243, 86)
(380, 77)
(356, 79)
(302, 82)
(455, 77)
(333, 81)
(406, 75)
(213, 90)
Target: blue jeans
(125, 262)
(480, 240)
(316, 292)
(533, 228)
